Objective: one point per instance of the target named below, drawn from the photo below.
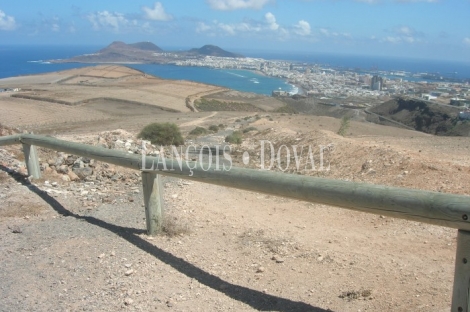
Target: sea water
(26, 60)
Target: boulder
(78, 163)
(59, 161)
(70, 160)
(63, 169)
(83, 173)
(73, 176)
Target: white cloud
(55, 24)
(391, 39)
(405, 30)
(333, 34)
(202, 27)
(368, 1)
(229, 29)
(396, 1)
(264, 27)
(271, 20)
(7, 22)
(404, 34)
(107, 19)
(410, 1)
(229, 5)
(233, 29)
(157, 13)
(466, 41)
(302, 28)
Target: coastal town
(328, 83)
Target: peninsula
(146, 52)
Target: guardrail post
(460, 296)
(153, 200)
(32, 161)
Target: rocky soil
(75, 239)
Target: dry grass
(14, 209)
(3, 177)
(18, 153)
(276, 245)
(174, 226)
(356, 294)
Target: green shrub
(198, 131)
(238, 120)
(234, 138)
(249, 129)
(162, 134)
(286, 109)
(344, 126)
(214, 128)
(221, 126)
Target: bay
(236, 79)
(28, 60)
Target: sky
(426, 29)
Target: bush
(286, 110)
(214, 128)
(162, 134)
(198, 131)
(221, 126)
(249, 129)
(344, 126)
(234, 138)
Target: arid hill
(144, 52)
(423, 116)
(213, 50)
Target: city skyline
(427, 29)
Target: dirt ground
(81, 245)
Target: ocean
(25, 60)
(446, 68)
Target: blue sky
(431, 29)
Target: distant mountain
(146, 46)
(144, 52)
(212, 50)
(121, 47)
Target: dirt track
(234, 250)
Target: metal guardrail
(416, 205)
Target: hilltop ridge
(212, 50)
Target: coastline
(294, 86)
